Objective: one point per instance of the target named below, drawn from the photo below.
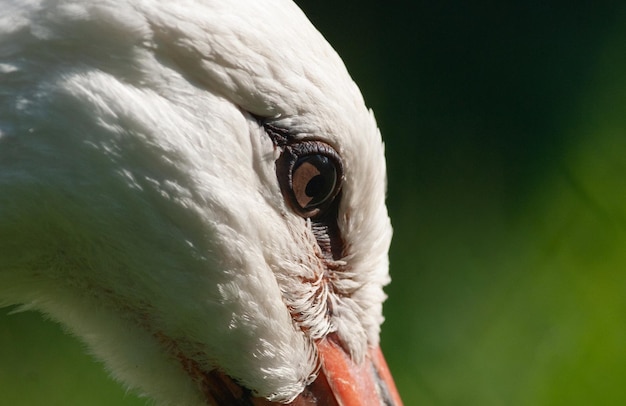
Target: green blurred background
(505, 127)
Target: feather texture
(139, 204)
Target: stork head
(196, 190)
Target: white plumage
(139, 201)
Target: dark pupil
(313, 180)
(316, 186)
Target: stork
(196, 190)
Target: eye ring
(310, 174)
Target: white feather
(139, 204)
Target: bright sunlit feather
(139, 204)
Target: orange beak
(340, 382)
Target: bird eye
(313, 180)
(310, 175)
